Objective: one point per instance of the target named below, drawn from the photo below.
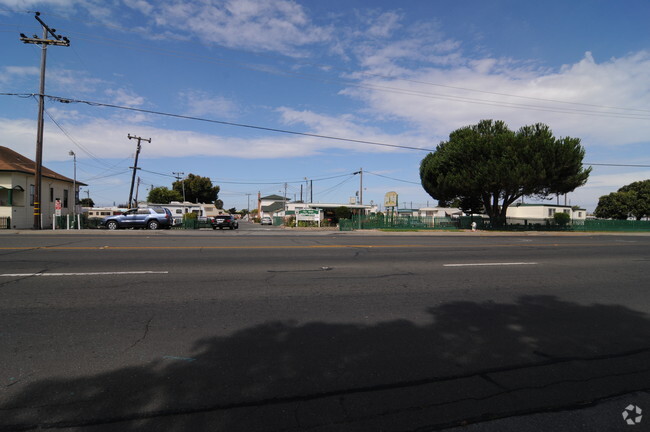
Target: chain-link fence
(388, 222)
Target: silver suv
(146, 217)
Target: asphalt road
(260, 329)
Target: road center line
(83, 274)
(489, 264)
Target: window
(567, 211)
(4, 197)
(579, 214)
(551, 212)
(65, 198)
(51, 194)
(179, 211)
(31, 195)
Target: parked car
(266, 220)
(145, 217)
(224, 221)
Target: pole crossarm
(38, 41)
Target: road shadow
(486, 353)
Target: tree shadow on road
(267, 368)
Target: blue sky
(404, 74)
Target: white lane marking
(489, 264)
(83, 274)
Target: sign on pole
(57, 207)
(308, 215)
(390, 199)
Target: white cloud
(12, 73)
(201, 103)
(259, 25)
(141, 6)
(106, 138)
(603, 184)
(439, 100)
(348, 126)
(122, 96)
(384, 25)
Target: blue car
(152, 218)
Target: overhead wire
(286, 131)
(350, 82)
(391, 178)
(402, 91)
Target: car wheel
(112, 225)
(232, 227)
(153, 225)
(214, 227)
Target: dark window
(31, 195)
(51, 194)
(65, 198)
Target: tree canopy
(630, 200)
(488, 167)
(197, 189)
(87, 202)
(163, 195)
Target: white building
(439, 212)
(178, 209)
(543, 211)
(17, 191)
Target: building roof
(273, 198)
(272, 208)
(12, 161)
(545, 205)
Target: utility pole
(74, 184)
(360, 172)
(361, 186)
(178, 178)
(135, 164)
(248, 206)
(285, 199)
(137, 189)
(38, 171)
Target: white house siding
(543, 211)
(22, 210)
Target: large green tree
(489, 166)
(163, 195)
(197, 189)
(630, 200)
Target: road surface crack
(144, 335)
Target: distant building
(439, 212)
(178, 209)
(270, 205)
(17, 191)
(543, 211)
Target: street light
(74, 185)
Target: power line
(392, 178)
(243, 125)
(91, 103)
(351, 83)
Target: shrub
(562, 219)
